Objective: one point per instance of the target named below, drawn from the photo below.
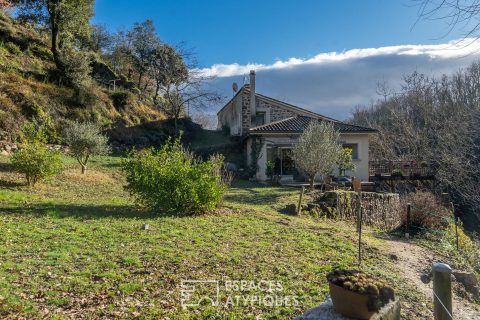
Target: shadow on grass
(246, 192)
(81, 211)
(6, 167)
(11, 184)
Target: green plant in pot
(357, 294)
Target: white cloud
(333, 83)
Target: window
(354, 148)
(260, 118)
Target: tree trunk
(84, 169)
(312, 180)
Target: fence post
(455, 220)
(442, 291)
(299, 208)
(409, 219)
(360, 238)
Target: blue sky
(326, 56)
(261, 31)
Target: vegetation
(36, 162)
(415, 124)
(84, 141)
(317, 150)
(172, 180)
(378, 290)
(344, 162)
(75, 245)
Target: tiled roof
(299, 123)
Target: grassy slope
(74, 247)
(26, 90)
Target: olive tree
(317, 151)
(85, 139)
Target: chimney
(253, 106)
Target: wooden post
(360, 238)
(409, 219)
(299, 208)
(442, 291)
(455, 220)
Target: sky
(326, 56)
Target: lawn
(75, 247)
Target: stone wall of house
(273, 112)
(381, 210)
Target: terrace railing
(401, 169)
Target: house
(271, 128)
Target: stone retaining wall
(381, 210)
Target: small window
(260, 118)
(354, 148)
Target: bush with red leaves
(427, 211)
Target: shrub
(36, 162)
(427, 211)
(40, 51)
(13, 48)
(172, 180)
(85, 139)
(121, 99)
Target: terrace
(380, 170)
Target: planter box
(350, 304)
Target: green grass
(75, 246)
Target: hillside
(26, 89)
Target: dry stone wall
(381, 210)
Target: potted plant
(358, 295)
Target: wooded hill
(29, 91)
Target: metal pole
(442, 291)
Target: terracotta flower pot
(350, 304)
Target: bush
(427, 211)
(172, 180)
(36, 162)
(13, 48)
(42, 52)
(121, 99)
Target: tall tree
(167, 68)
(317, 151)
(67, 20)
(142, 40)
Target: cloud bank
(334, 83)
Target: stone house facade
(274, 126)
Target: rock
(426, 277)
(326, 311)
(145, 226)
(4, 153)
(7, 148)
(469, 281)
(231, 166)
(393, 257)
(291, 209)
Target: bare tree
(433, 120)
(463, 13)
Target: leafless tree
(433, 120)
(457, 13)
